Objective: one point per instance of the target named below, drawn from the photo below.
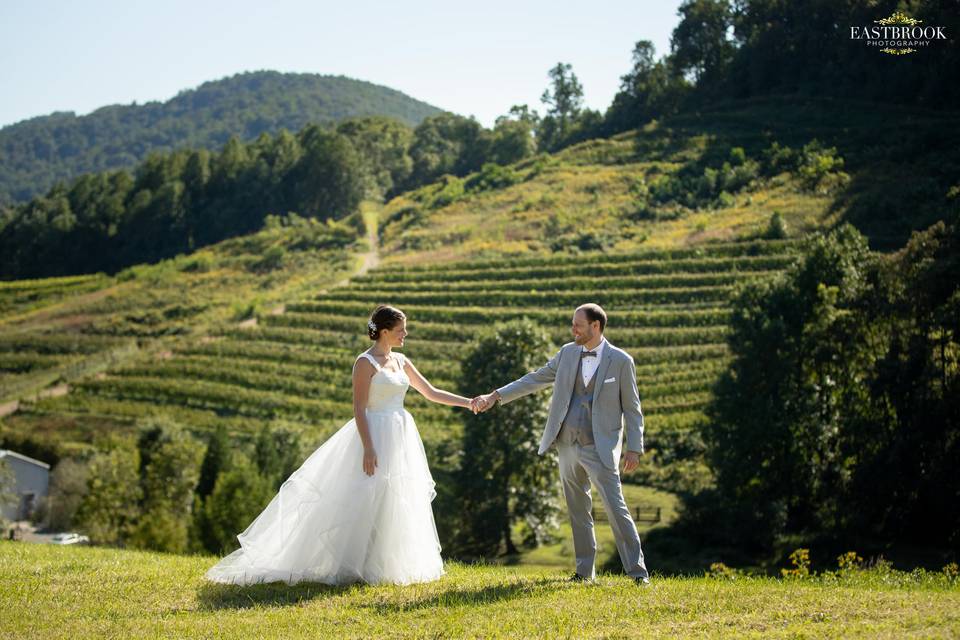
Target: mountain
(36, 153)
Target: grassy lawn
(54, 592)
(561, 555)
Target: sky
(477, 59)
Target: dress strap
(371, 359)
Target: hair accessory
(372, 326)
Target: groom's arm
(630, 404)
(533, 381)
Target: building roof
(6, 453)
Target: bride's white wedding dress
(330, 522)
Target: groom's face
(583, 330)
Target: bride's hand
(369, 461)
(475, 405)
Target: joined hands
(483, 403)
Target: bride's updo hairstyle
(383, 317)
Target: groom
(594, 396)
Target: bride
(358, 509)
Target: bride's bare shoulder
(363, 363)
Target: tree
(700, 44)
(839, 414)
(215, 460)
(277, 453)
(8, 484)
(651, 89)
(170, 469)
(238, 496)
(522, 113)
(905, 433)
(774, 437)
(327, 181)
(501, 479)
(109, 510)
(384, 144)
(68, 486)
(564, 102)
(446, 144)
(512, 141)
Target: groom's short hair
(594, 312)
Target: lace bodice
(387, 388)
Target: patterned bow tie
(588, 354)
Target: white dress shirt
(589, 365)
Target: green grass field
(56, 592)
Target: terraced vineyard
(59, 332)
(668, 308)
(34, 356)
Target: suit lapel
(601, 372)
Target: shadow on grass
(219, 596)
(223, 596)
(468, 597)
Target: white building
(32, 478)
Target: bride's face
(394, 337)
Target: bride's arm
(431, 393)
(362, 373)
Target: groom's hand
(631, 461)
(483, 403)
(489, 400)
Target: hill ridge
(244, 104)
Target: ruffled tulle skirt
(332, 523)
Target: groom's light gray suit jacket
(616, 400)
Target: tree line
(38, 152)
(839, 418)
(735, 50)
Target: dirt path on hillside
(369, 260)
(58, 313)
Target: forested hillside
(36, 153)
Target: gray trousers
(579, 465)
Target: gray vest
(577, 425)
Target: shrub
(776, 159)
(584, 241)
(819, 168)
(199, 263)
(777, 228)
(720, 570)
(849, 561)
(724, 200)
(272, 260)
(492, 176)
(450, 190)
(951, 570)
(800, 559)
